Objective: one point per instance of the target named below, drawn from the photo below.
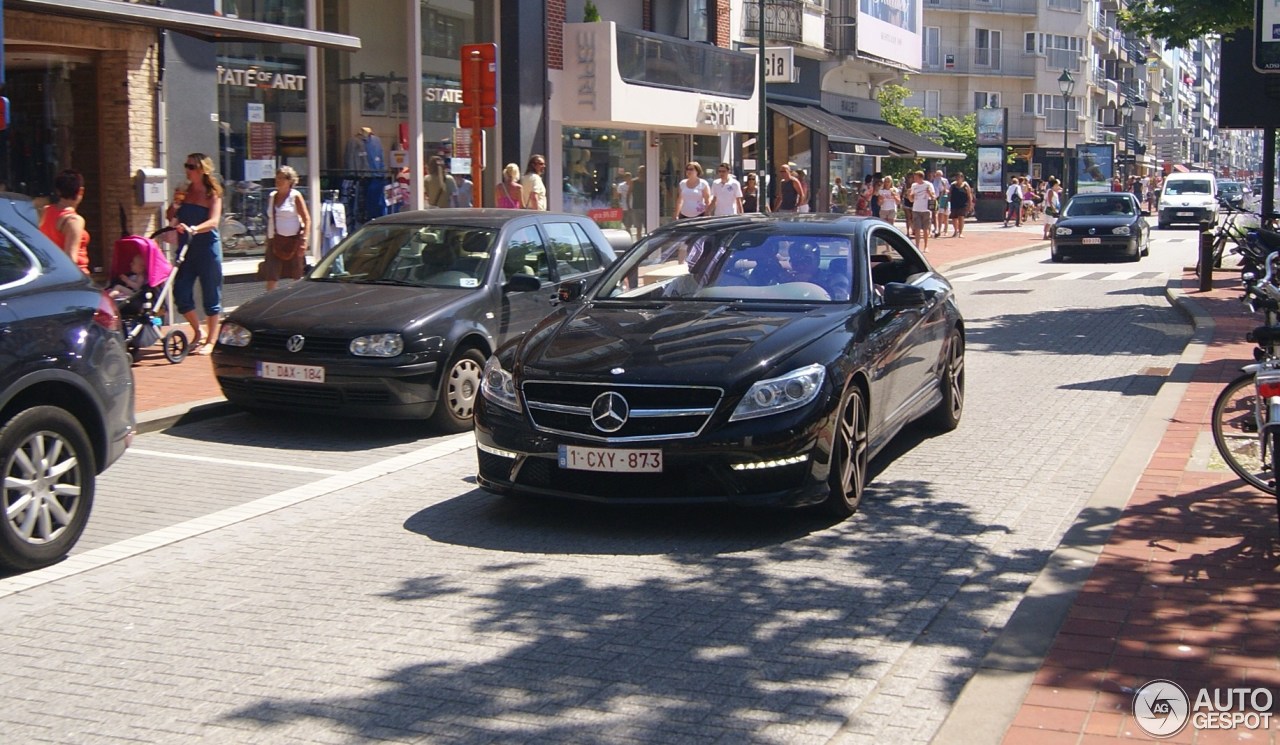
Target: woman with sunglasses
(195, 213)
(694, 194)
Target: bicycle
(1246, 414)
(247, 224)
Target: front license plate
(1091, 241)
(610, 460)
(297, 373)
(1186, 214)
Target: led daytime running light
(762, 464)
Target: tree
(1180, 21)
(957, 133)
(589, 13)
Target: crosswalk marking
(1050, 276)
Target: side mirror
(571, 290)
(902, 296)
(522, 283)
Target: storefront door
(673, 154)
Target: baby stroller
(141, 312)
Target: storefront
(632, 107)
(823, 145)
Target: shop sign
(605, 214)
(262, 140)
(586, 69)
(252, 77)
(715, 114)
(442, 95)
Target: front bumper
(1195, 215)
(380, 389)
(1075, 245)
(515, 458)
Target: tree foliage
(1178, 22)
(957, 133)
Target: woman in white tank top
(694, 195)
(287, 225)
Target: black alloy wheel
(848, 456)
(946, 416)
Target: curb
(991, 700)
(962, 263)
(158, 420)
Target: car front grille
(656, 412)
(676, 482)
(275, 341)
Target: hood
(691, 341)
(1097, 221)
(343, 308)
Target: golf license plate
(1185, 214)
(610, 460)
(1091, 241)
(296, 373)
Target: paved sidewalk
(167, 392)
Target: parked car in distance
(1099, 222)
(1189, 197)
(397, 321)
(66, 392)
(747, 359)
(1231, 194)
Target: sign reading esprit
(252, 77)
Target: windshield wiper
(399, 282)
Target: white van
(1188, 198)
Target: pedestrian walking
(789, 191)
(694, 194)
(920, 196)
(961, 199)
(1013, 202)
(939, 212)
(61, 221)
(287, 225)
(726, 193)
(751, 194)
(509, 194)
(535, 191)
(196, 213)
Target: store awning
(1180, 168)
(906, 143)
(838, 130)
(200, 25)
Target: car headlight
(377, 345)
(232, 334)
(1062, 231)
(1122, 230)
(784, 393)
(498, 386)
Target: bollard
(1206, 261)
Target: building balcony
(787, 22)
(842, 35)
(1021, 7)
(1004, 62)
(1052, 121)
(1071, 6)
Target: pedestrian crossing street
(1049, 276)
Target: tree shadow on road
(690, 624)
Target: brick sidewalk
(162, 387)
(1187, 587)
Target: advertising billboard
(991, 126)
(1095, 166)
(1266, 36)
(890, 29)
(991, 169)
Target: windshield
(414, 255)
(1097, 206)
(1229, 187)
(1187, 186)
(737, 266)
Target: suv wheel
(48, 470)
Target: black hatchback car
(1098, 222)
(749, 359)
(66, 392)
(397, 321)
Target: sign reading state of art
(252, 77)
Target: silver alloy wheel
(461, 387)
(955, 375)
(42, 482)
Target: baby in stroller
(140, 294)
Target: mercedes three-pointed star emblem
(609, 411)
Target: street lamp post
(1066, 84)
(1126, 112)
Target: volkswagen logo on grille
(295, 342)
(609, 412)
(1092, 231)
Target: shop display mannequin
(364, 157)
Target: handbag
(286, 247)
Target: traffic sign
(480, 74)
(488, 117)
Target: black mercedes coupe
(746, 359)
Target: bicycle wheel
(1235, 432)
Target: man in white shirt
(1013, 203)
(920, 193)
(726, 193)
(941, 189)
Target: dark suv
(66, 392)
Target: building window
(687, 19)
(986, 52)
(932, 40)
(985, 99)
(932, 104)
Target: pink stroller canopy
(158, 267)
